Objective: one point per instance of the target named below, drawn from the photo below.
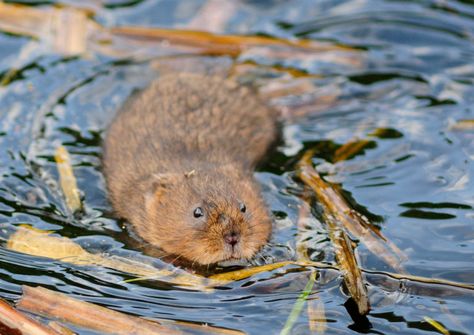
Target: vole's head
(206, 216)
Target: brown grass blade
(352, 221)
(229, 44)
(15, 323)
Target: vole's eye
(198, 212)
(242, 207)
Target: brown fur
(191, 141)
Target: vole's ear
(158, 184)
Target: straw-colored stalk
(14, 322)
(67, 180)
(344, 216)
(345, 255)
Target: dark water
(415, 182)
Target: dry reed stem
(50, 304)
(60, 328)
(247, 272)
(342, 245)
(14, 322)
(335, 204)
(71, 31)
(229, 44)
(348, 265)
(67, 179)
(23, 20)
(60, 248)
(54, 305)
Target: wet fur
(186, 141)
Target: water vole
(179, 160)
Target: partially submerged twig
(60, 328)
(54, 305)
(342, 245)
(14, 322)
(41, 301)
(352, 221)
(348, 265)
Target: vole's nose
(232, 238)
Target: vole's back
(184, 117)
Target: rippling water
(414, 180)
